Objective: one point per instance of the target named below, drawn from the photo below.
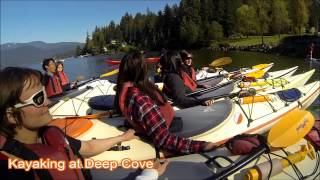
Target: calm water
(94, 66)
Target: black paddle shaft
(210, 89)
(234, 167)
(250, 92)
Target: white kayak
(264, 85)
(104, 87)
(216, 123)
(270, 75)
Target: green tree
(189, 32)
(245, 19)
(86, 47)
(261, 13)
(229, 16)
(314, 7)
(215, 31)
(279, 16)
(299, 15)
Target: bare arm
(97, 146)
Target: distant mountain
(14, 54)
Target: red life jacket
(53, 86)
(166, 110)
(188, 82)
(56, 148)
(193, 74)
(63, 78)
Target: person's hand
(205, 86)
(161, 168)
(208, 102)
(74, 84)
(128, 135)
(209, 146)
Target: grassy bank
(250, 41)
(289, 45)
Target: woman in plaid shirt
(142, 104)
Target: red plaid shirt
(143, 110)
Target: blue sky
(65, 20)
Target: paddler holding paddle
(177, 84)
(148, 111)
(25, 136)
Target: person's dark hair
(133, 68)
(171, 62)
(59, 62)
(185, 54)
(46, 62)
(12, 82)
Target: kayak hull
(263, 117)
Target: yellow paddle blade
(221, 62)
(291, 128)
(113, 72)
(256, 74)
(260, 66)
(80, 78)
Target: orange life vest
(187, 81)
(63, 78)
(166, 110)
(53, 86)
(56, 148)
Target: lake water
(94, 66)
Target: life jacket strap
(17, 149)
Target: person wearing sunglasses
(51, 80)
(25, 134)
(189, 70)
(177, 84)
(187, 64)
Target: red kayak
(117, 62)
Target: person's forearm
(97, 146)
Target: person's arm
(178, 95)
(148, 115)
(97, 146)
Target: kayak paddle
(110, 73)
(221, 62)
(91, 116)
(289, 130)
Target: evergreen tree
(189, 32)
(299, 15)
(245, 19)
(279, 16)
(314, 21)
(215, 31)
(261, 9)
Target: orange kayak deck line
(73, 127)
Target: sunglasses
(37, 99)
